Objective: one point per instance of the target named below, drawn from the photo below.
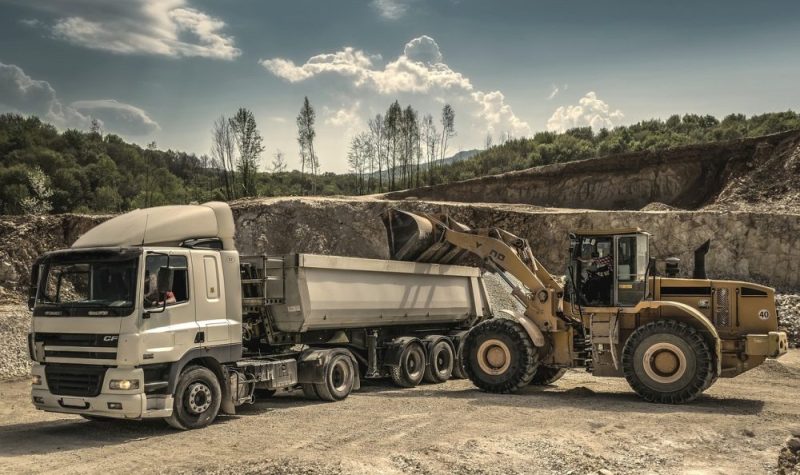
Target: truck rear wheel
(458, 365)
(411, 369)
(667, 362)
(340, 376)
(499, 357)
(547, 375)
(441, 359)
(197, 399)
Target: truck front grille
(75, 380)
(77, 339)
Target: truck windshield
(101, 283)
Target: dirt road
(581, 425)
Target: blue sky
(163, 70)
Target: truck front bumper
(771, 345)
(118, 404)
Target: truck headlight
(124, 384)
(36, 380)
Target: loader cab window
(165, 279)
(631, 267)
(595, 271)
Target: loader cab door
(630, 266)
(593, 268)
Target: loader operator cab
(608, 268)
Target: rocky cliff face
(689, 177)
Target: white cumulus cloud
(118, 116)
(22, 94)
(590, 111)
(159, 27)
(391, 9)
(419, 71)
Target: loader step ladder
(262, 281)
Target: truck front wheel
(667, 362)
(197, 399)
(499, 357)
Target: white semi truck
(154, 314)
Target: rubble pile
(789, 458)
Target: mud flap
(311, 365)
(391, 355)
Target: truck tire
(458, 364)
(441, 359)
(411, 369)
(309, 392)
(499, 357)
(667, 362)
(340, 376)
(546, 375)
(197, 399)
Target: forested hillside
(43, 170)
(577, 144)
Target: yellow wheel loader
(670, 337)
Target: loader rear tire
(546, 375)
(499, 357)
(441, 360)
(667, 362)
(411, 369)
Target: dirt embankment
(759, 173)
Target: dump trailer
(670, 337)
(154, 314)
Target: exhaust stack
(700, 261)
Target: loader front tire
(499, 357)
(667, 362)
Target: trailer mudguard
(391, 355)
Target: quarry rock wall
(687, 177)
(760, 247)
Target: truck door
(174, 329)
(210, 298)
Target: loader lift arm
(422, 237)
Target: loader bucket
(420, 237)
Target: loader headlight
(124, 384)
(36, 380)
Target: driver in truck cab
(151, 294)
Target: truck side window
(177, 291)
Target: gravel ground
(580, 425)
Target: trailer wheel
(411, 369)
(340, 376)
(197, 399)
(458, 364)
(499, 357)
(441, 360)
(546, 375)
(667, 362)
